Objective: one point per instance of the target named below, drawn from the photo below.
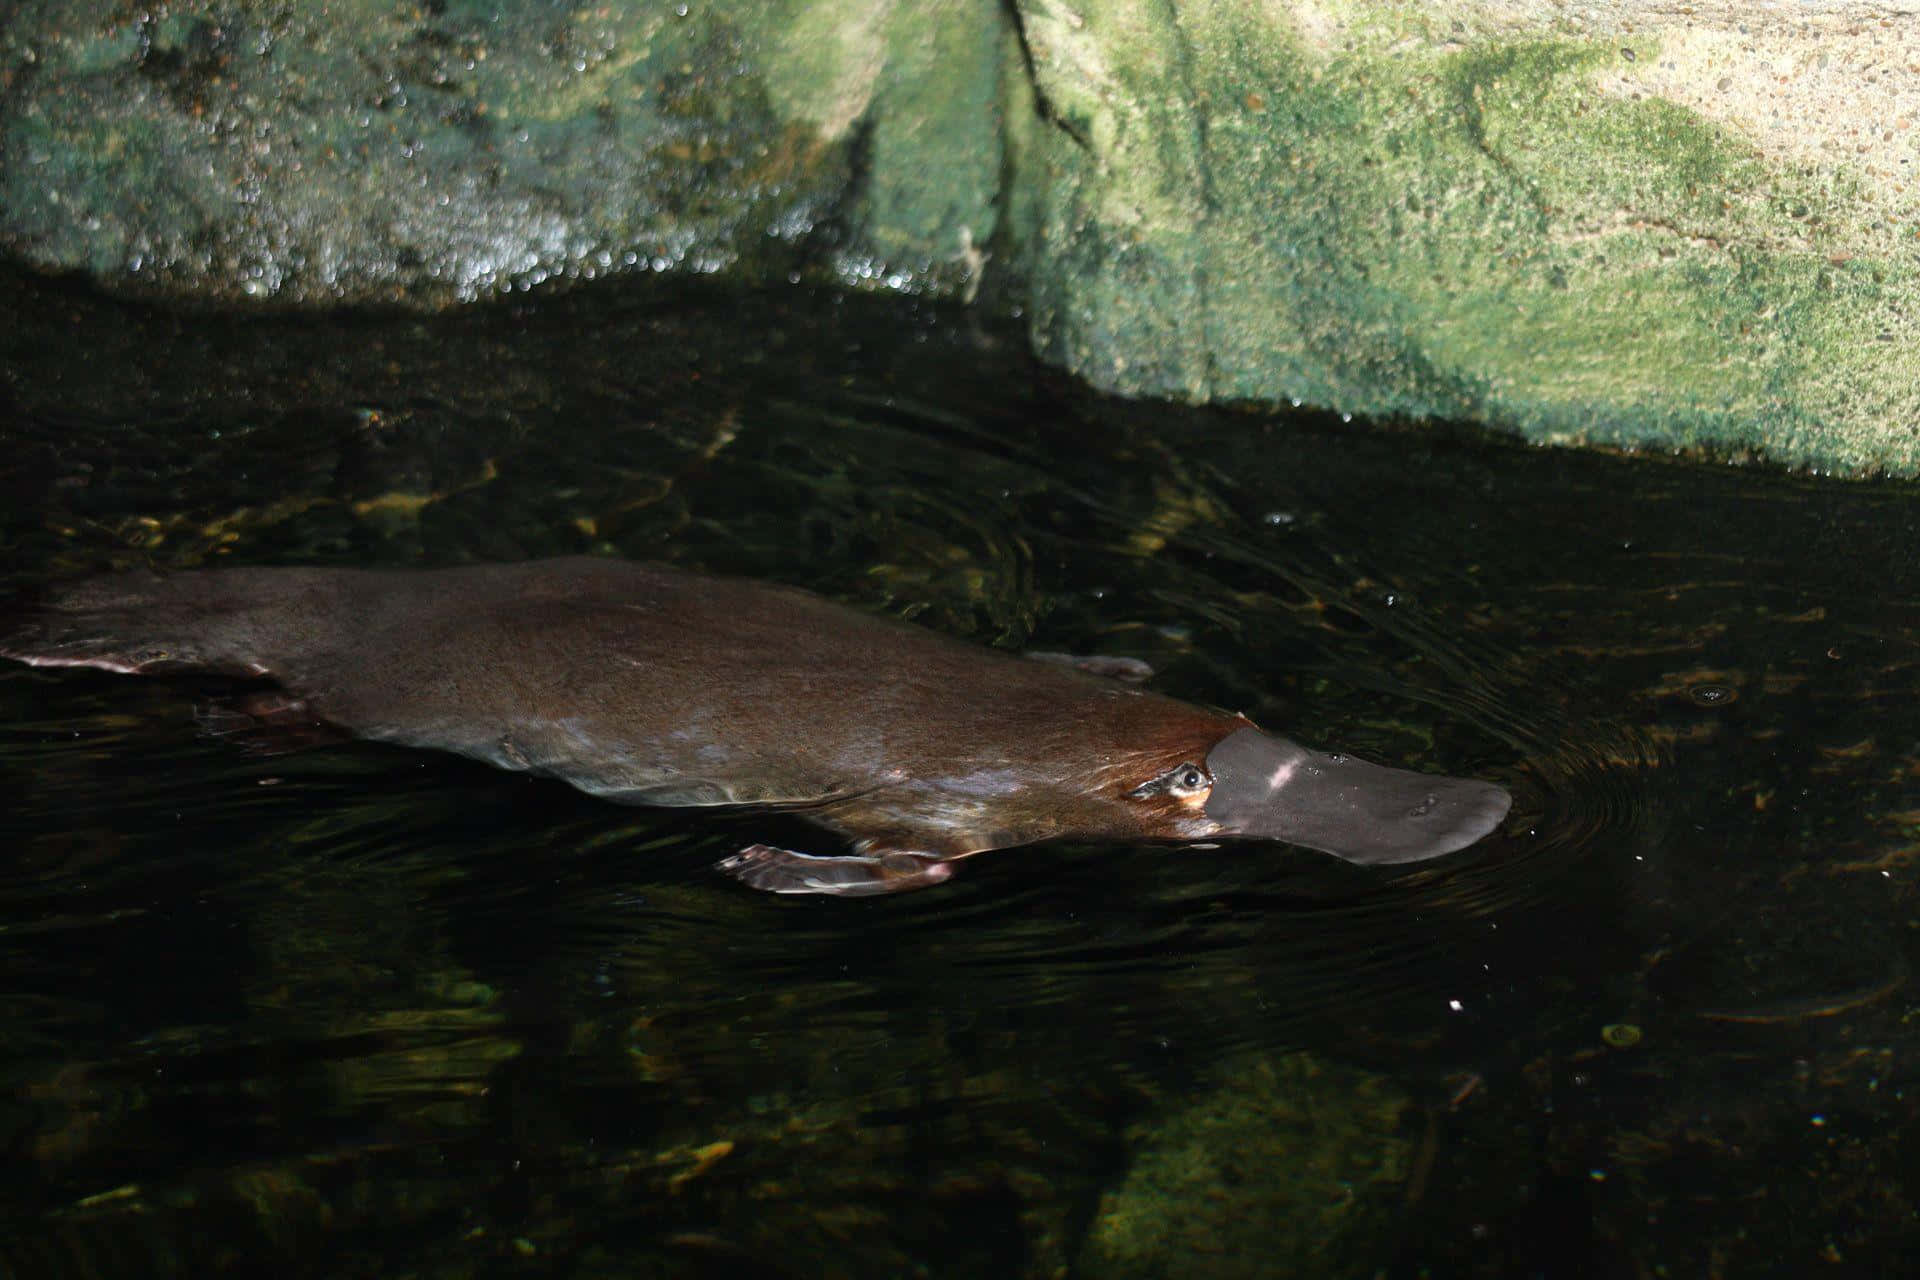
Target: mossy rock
(363, 152)
(1289, 1167)
(1463, 211)
(1629, 226)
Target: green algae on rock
(1277, 1172)
(1412, 210)
(452, 151)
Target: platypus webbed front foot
(762, 866)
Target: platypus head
(1253, 784)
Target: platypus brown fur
(651, 685)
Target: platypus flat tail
(144, 622)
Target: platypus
(645, 684)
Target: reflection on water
(371, 1011)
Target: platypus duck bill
(1272, 789)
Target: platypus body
(650, 685)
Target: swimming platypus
(650, 685)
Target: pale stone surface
(1829, 83)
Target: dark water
(361, 1011)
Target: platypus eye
(1181, 780)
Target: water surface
(362, 1010)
